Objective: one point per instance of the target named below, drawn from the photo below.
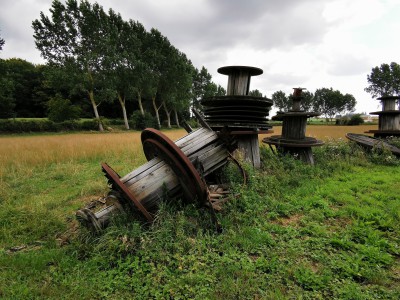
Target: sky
(297, 43)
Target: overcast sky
(306, 43)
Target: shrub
(355, 120)
(60, 110)
(15, 126)
(140, 122)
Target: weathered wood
(388, 104)
(389, 121)
(370, 143)
(294, 127)
(249, 146)
(389, 118)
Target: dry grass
(30, 151)
(18, 152)
(326, 132)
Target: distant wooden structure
(245, 116)
(293, 139)
(389, 118)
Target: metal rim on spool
(156, 144)
(114, 178)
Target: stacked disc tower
(244, 115)
(293, 139)
(389, 118)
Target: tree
(177, 97)
(281, 101)
(73, 38)
(2, 42)
(255, 93)
(220, 91)
(384, 80)
(203, 87)
(121, 59)
(7, 100)
(21, 81)
(61, 110)
(307, 101)
(332, 102)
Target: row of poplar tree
(107, 58)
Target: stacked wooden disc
(389, 118)
(240, 113)
(244, 115)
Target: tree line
(327, 101)
(99, 64)
(97, 53)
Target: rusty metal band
(113, 176)
(156, 144)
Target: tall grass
(38, 151)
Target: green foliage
(331, 102)
(255, 93)
(140, 122)
(2, 42)
(16, 126)
(108, 58)
(60, 110)
(281, 101)
(384, 80)
(355, 120)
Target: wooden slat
(141, 169)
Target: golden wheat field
(327, 132)
(36, 150)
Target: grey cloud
(348, 65)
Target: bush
(140, 122)
(60, 110)
(355, 120)
(14, 126)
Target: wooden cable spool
(174, 168)
(293, 140)
(389, 118)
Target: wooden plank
(198, 144)
(154, 182)
(136, 177)
(181, 142)
(141, 169)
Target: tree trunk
(139, 94)
(153, 98)
(96, 113)
(177, 118)
(122, 102)
(168, 114)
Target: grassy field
(294, 232)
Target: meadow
(331, 231)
